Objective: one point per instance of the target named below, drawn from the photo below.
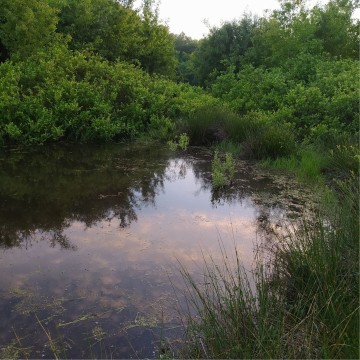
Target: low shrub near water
(182, 142)
(270, 141)
(228, 146)
(304, 303)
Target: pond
(92, 238)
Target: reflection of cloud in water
(128, 234)
(161, 239)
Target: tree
(103, 26)
(336, 29)
(26, 26)
(115, 31)
(185, 47)
(158, 50)
(223, 47)
(285, 35)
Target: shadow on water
(124, 214)
(44, 191)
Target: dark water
(91, 239)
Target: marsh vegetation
(279, 89)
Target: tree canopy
(109, 28)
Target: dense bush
(90, 71)
(77, 96)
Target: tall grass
(305, 301)
(308, 164)
(311, 164)
(206, 125)
(255, 132)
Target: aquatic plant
(228, 146)
(182, 142)
(223, 172)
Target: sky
(191, 16)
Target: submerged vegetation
(280, 88)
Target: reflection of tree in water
(25, 238)
(42, 192)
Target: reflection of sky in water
(136, 266)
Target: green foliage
(182, 142)
(224, 46)
(27, 26)
(60, 94)
(185, 47)
(287, 37)
(223, 172)
(160, 128)
(338, 32)
(261, 135)
(157, 48)
(308, 165)
(218, 174)
(114, 31)
(102, 26)
(321, 284)
(325, 101)
(78, 96)
(108, 28)
(344, 161)
(228, 146)
(270, 141)
(252, 88)
(206, 125)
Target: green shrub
(228, 146)
(252, 89)
(74, 96)
(160, 128)
(240, 128)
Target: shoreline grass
(306, 299)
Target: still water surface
(91, 239)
